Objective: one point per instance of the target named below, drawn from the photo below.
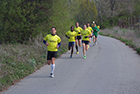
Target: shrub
(138, 50)
(19, 20)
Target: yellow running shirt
(89, 28)
(53, 42)
(98, 27)
(85, 33)
(72, 36)
(78, 30)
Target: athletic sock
(52, 68)
(77, 48)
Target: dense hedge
(19, 20)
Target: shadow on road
(37, 76)
(70, 58)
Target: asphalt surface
(111, 67)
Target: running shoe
(51, 75)
(88, 46)
(77, 52)
(71, 56)
(84, 57)
(95, 43)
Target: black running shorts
(86, 42)
(78, 37)
(51, 54)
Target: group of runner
(74, 35)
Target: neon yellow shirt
(78, 30)
(98, 27)
(89, 28)
(85, 33)
(72, 36)
(53, 42)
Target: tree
(137, 7)
(87, 12)
(110, 10)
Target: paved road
(110, 68)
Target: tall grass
(20, 60)
(128, 36)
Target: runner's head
(77, 24)
(94, 24)
(53, 30)
(85, 27)
(72, 28)
(88, 24)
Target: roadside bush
(138, 50)
(19, 20)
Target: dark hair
(53, 27)
(76, 23)
(71, 27)
(87, 24)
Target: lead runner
(53, 42)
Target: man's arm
(59, 43)
(67, 36)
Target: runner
(95, 33)
(53, 42)
(71, 35)
(78, 30)
(89, 28)
(86, 34)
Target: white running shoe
(51, 75)
(96, 43)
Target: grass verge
(119, 34)
(19, 60)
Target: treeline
(109, 11)
(21, 20)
